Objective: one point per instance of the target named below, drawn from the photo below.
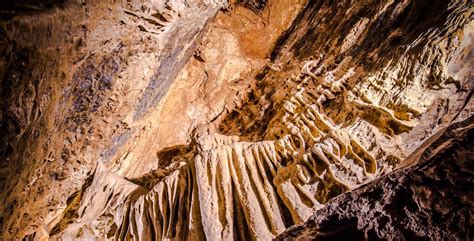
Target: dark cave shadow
(165, 158)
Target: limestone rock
(430, 200)
(227, 120)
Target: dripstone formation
(429, 201)
(236, 120)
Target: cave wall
(216, 120)
(75, 76)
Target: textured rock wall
(76, 76)
(427, 201)
(173, 120)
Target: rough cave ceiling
(239, 120)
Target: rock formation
(236, 120)
(428, 201)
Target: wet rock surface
(207, 119)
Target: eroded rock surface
(152, 120)
(431, 200)
(76, 76)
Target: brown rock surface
(207, 119)
(431, 200)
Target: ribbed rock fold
(429, 200)
(235, 189)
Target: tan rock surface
(429, 200)
(193, 120)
